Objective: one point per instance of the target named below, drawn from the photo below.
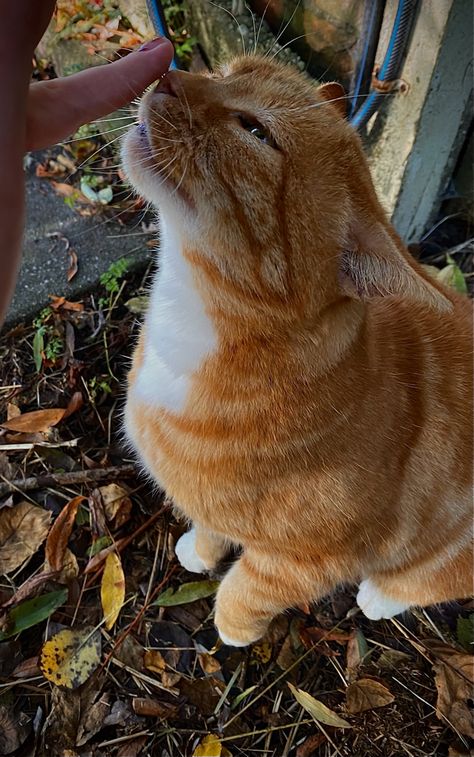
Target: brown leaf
(117, 503)
(208, 663)
(355, 653)
(13, 411)
(27, 669)
(31, 588)
(61, 302)
(454, 676)
(58, 537)
(151, 708)
(23, 529)
(14, 730)
(133, 748)
(309, 745)
(74, 404)
(65, 190)
(154, 660)
(72, 270)
(37, 420)
(367, 694)
(92, 721)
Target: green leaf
(38, 347)
(105, 195)
(31, 612)
(452, 276)
(240, 697)
(100, 543)
(317, 709)
(187, 593)
(87, 191)
(138, 305)
(465, 632)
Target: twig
(68, 479)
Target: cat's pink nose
(167, 85)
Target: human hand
(56, 108)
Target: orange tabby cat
(301, 387)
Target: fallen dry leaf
(23, 528)
(61, 302)
(317, 709)
(208, 663)
(72, 270)
(37, 420)
(13, 411)
(154, 660)
(74, 404)
(27, 669)
(70, 657)
(58, 537)
(151, 708)
(117, 503)
(92, 720)
(112, 589)
(210, 746)
(454, 677)
(65, 190)
(309, 745)
(14, 729)
(356, 651)
(366, 694)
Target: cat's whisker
(181, 179)
(188, 108)
(165, 120)
(90, 157)
(253, 24)
(260, 26)
(278, 37)
(226, 10)
(92, 136)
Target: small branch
(68, 479)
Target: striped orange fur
(325, 426)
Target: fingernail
(152, 44)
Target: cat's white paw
(185, 550)
(232, 642)
(376, 605)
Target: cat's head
(266, 184)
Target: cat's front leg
(256, 589)
(200, 550)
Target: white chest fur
(179, 333)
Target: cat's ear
(372, 267)
(334, 93)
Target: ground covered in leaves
(107, 646)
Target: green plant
(97, 386)
(176, 17)
(113, 276)
(47, 343)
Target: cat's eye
(257, 130)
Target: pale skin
(35, 116)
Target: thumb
(57, 108)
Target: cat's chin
(142, 173)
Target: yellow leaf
(69, 657)
(317, 709)
(210, 746)
(262, 652)
(112, 590)
(154, 660)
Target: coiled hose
(392, 63)
(360, 111)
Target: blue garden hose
(362, 80)
(391, 66)
(392, 63)
(157, 16)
